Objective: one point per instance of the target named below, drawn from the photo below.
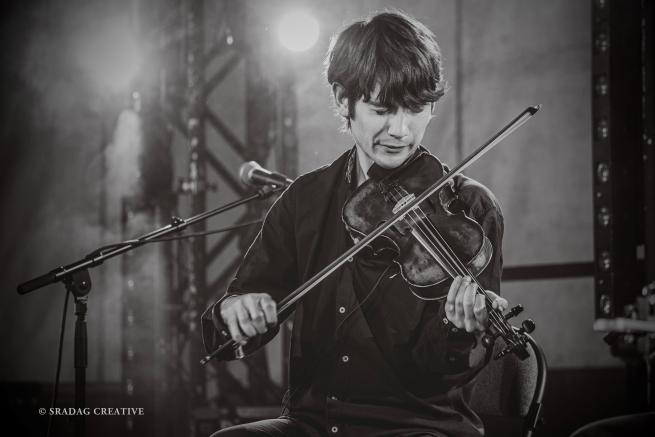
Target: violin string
(447, 250)
(446, 253)
(447, 258)
(495, 317)
(455, 264)
(442, 246)
(361, 303)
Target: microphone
(255, 175)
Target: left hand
(466, 309)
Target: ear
(340, 99)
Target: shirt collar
(354, 165)
(365, 164)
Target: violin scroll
(515, 340)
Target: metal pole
(198, 181)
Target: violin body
(376, 200)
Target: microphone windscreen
(245, 171)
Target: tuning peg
(502, 353)
(528, 325)
(518, 348)
(518, 309)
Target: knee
(231, 432)
(237, 431)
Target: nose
(398, 124)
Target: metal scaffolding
(202, 47)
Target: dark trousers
(288, 427)
(280, 427)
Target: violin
(458, 248)
(431, 244)
(430, 239)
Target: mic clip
(266, 190)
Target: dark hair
(393, 50)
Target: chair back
(511, 387)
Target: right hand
(247, 315)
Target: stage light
(297, 31)
(603, 217)
(605, 261)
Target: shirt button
(351, 259)
(345, 358)
(334, 429)
(342, 310)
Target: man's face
(388, 136)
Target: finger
(244, 322)
(459, 303)
(502, 303)
(229, 301)
(480, 311)
(230, 319)
(450, 299)
(256, 313)
(468, 302)
(270, 310)
(498, 302)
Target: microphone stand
(76, 278)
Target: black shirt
(367, 356)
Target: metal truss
(268, 107)
(200, 47)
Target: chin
(390, 162)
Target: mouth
(390, 143)
(393, 148)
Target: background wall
(61, 78)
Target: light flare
(298, 31)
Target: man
(368, 357)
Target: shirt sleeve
(269, 266)
(443, 348)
